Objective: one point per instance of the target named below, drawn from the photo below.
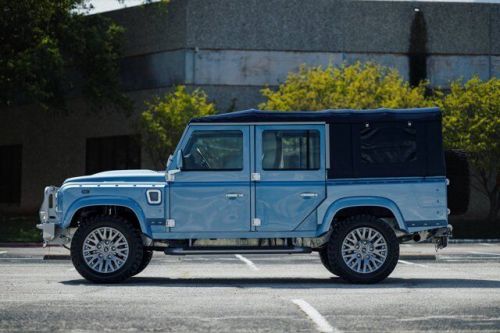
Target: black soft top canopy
(367, 143)
(329, 116)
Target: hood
(132, 176)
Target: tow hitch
(440, 238)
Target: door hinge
(170, 223)
(256, 222)
(255, 176)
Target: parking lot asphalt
(459, 290)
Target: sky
(107, 5)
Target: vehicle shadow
(296, 283)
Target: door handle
(233, 196)
(307, 195)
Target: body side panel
(132, 196)
(415, 202)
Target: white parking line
(247, 261)
(3, 252)
(72, 269)
(411, 263)
(487, 253)
(321, 323)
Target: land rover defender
(349, 184)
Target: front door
(212, 192)
(290, 162)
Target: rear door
(290, 178)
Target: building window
(113, 153)
(214, 151)
(290, 150)
(10, 173)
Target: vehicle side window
(290, 150)
(388, 144)
(213, 151)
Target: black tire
(342, 229)
(146, 259)
(132, 236)
(457, 171)
(323, 256)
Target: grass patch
(19, 229)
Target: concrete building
(231, 49)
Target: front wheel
(363, 249)
(146, 259)
(107, 249)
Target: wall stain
(417, 51)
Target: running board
(179, 251)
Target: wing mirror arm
(178, 161)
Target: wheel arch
(128, 208)
(351, 205)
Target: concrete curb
(18, 244)
(473, 241)
(56, 257)
(418, 257)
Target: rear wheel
(107, 249)
(363, 249)
(146, 259)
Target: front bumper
(48, 214)
(48, 231)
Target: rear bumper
(441, 236)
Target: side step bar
(179, 251)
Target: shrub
(358, 86)
(471, 121)
(165, 118)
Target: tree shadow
(295, 283)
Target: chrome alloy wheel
(364, 250)
(105, 250)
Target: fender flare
(106, 201)
(349, 202)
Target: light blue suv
(349, 184)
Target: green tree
(50, 48)
(357, 86)
(165, 118)
(472, 122)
